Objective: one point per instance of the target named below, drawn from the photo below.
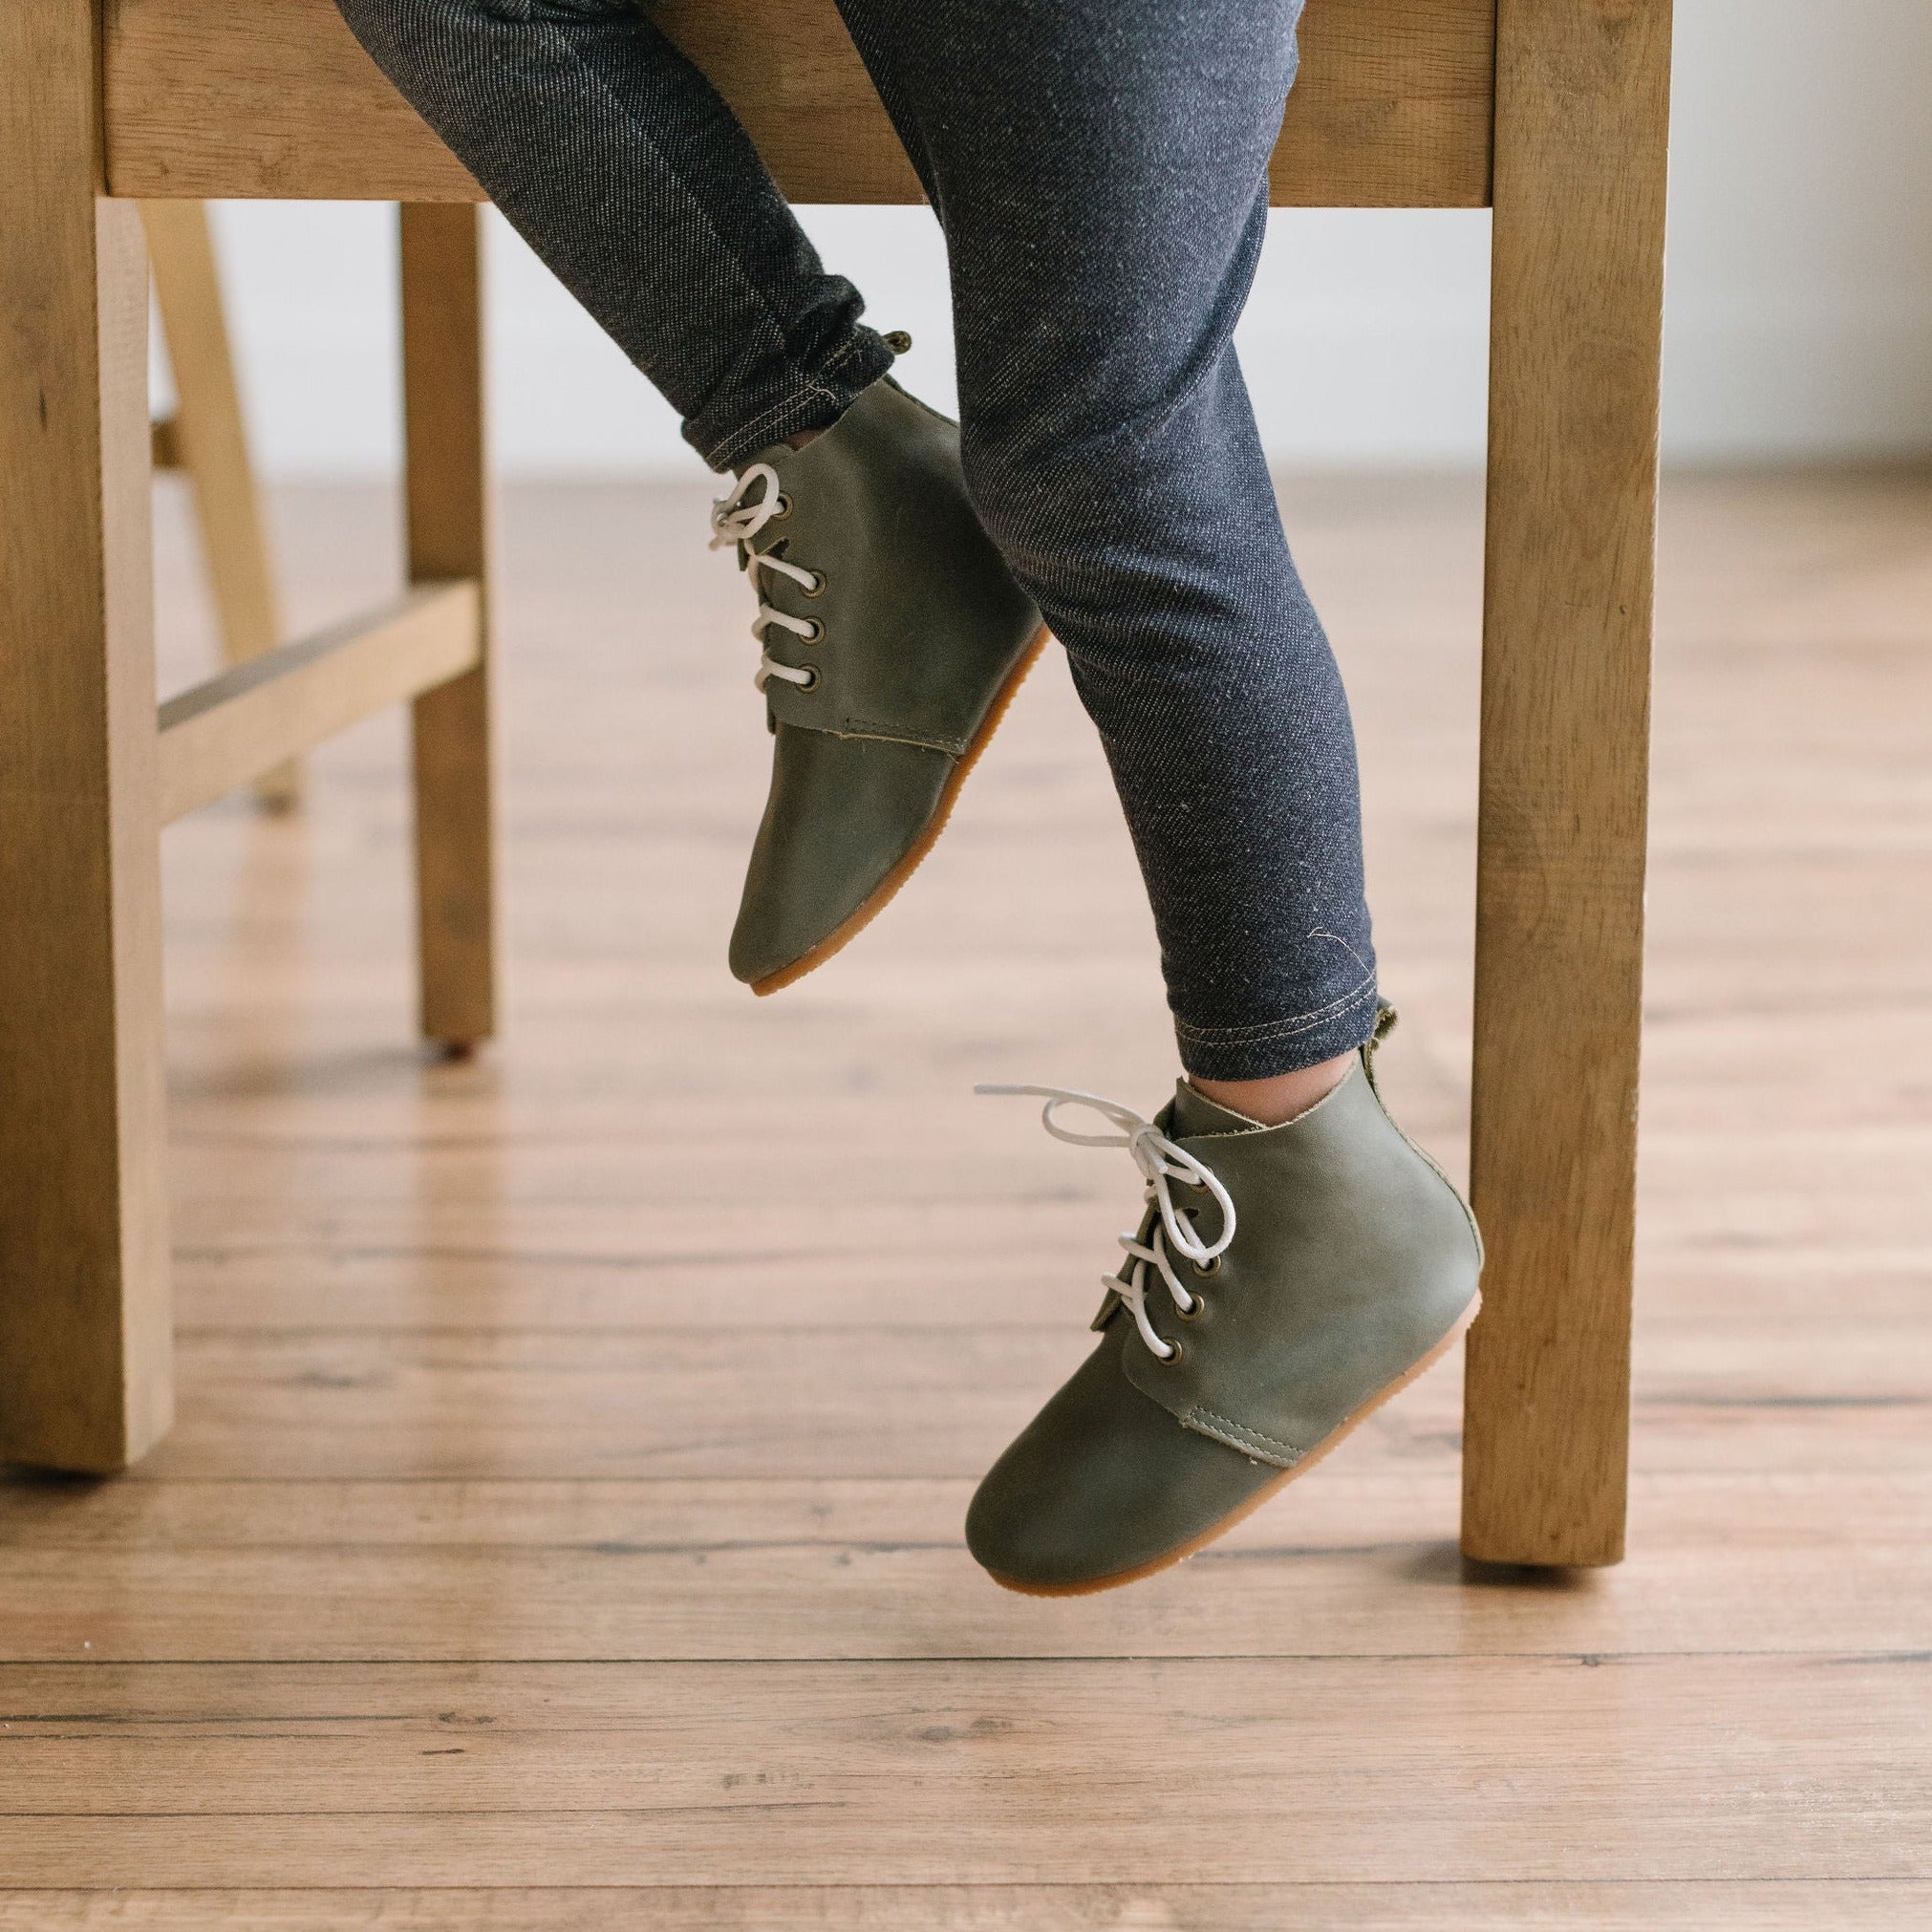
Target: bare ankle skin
(1282, 1096)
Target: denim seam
(852, 346)
(745, 437)
(1242, 1036)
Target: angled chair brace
(205, 440)
(1552, 112)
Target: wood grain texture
(1391, 108)
(446, 493)
(258, 714)
(214, 99)
(1642, 1905)
(646, 1569)
(942, 1770)
(207, 439)
(84, 1316)
(1581, 118)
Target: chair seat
(236, 99)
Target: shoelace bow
(1161, 1161)
(736, 522)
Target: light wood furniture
(204, 438)
(93, 768)
(1554, 111)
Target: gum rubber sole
(1171, 1558)
(884, 893)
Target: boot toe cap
(842, 813)
(1102, 1485)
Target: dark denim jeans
(1100, 170)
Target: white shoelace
(1161, 1161)
(736, 522)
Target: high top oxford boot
(895, 637)
(1284, 1282)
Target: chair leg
(85, 1379)
(213, 446)
(1581, 106)
(449, 538)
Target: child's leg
(892, 632)
(1100, 168)
(617, 161)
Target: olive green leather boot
(1284, 1282)
(894, 636)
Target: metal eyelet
(1175, 1354)
(816, 588)
(781, 510)
(815, 635)
(1210, 1266)
(811, 682)
(1192, 1311)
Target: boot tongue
(1194, 1113)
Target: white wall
(1800, 289)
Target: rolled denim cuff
(1273, 1047)
(807, 399)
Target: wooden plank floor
(562, 1528)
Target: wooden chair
(1553, 112)
(205, 440)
